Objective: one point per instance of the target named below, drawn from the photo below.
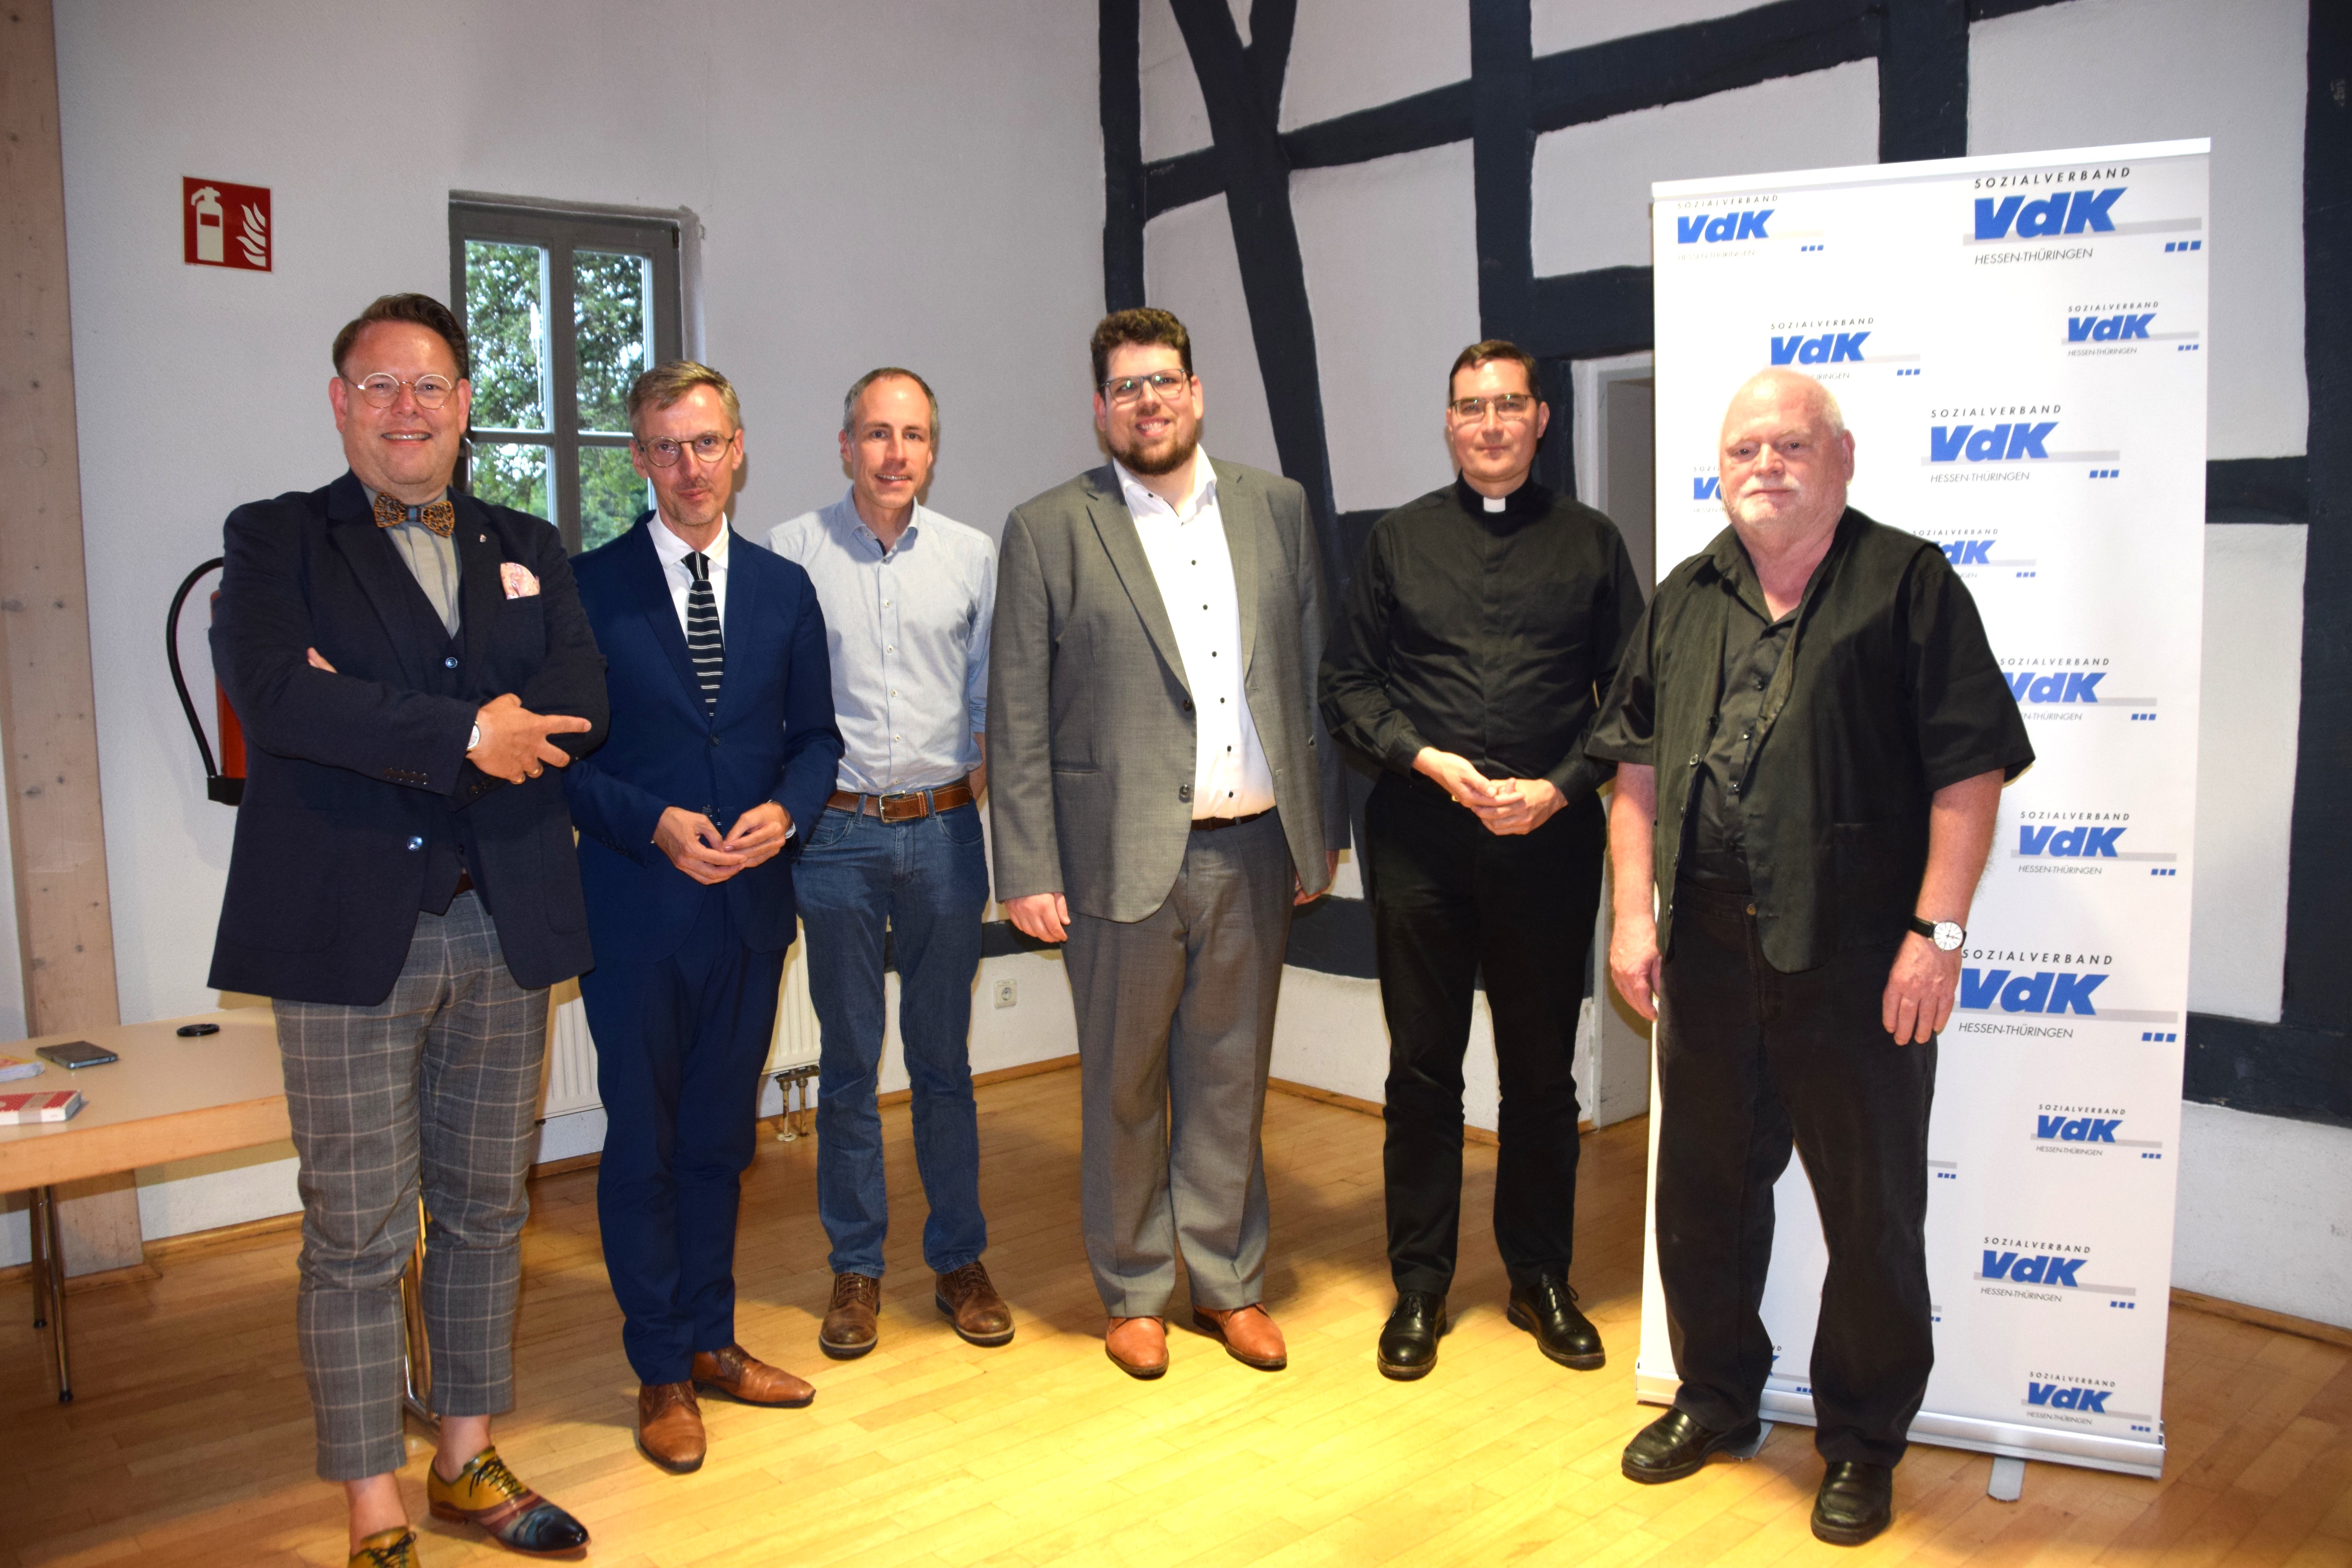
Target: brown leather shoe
(1249, 1334)
(734, 1372)
(972, 1303)
(670, 1426)
(850, 1318)
(1137, 1346)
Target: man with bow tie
(406, 662)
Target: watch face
(1949, 936)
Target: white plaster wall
(1392, 261)
(2265, 1213)
(2106, 72)
(1346, 55)
(2249, 707)
(1189, 268)
(1593, 182)
(1174, 119)
(1575, 24)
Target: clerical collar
(1528, 501)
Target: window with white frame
(564, 307)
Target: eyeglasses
(383, 389)
(707, 447)
(1126, 389)
(1510, 407)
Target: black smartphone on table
(77, 1054)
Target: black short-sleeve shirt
(1887, 691)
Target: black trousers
(1449, 901)
(1749, 1061)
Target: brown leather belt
(465, 884)
(908, 806)
(1211, 824)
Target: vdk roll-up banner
(2018, 344)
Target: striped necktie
(702, 639)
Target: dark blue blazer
(357, 781)
(772, 738)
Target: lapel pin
(481, 539)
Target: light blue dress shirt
(907, 629)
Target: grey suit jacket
(1090, 723)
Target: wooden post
(65, 927)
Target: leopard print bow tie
(439, 516)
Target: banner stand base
(1750, 1449)
(2005, 1441)
(2008, 1483)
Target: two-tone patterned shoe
(488, 1495)
(395, 1548)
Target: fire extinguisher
(225, 783)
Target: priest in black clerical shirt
(1478, 633)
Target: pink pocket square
(519, 583)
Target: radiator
(571, 1050)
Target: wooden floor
(190, 1439)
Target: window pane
(613, 322)
(611, 495)
(513, 476)
(506, 317)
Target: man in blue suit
(407, 662)
(723, 743)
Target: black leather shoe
(1674, 1446)
(1547, 1309)
(1409, 1340)
(1855, 1502)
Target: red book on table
(46, 1105)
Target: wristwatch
(1947, 935)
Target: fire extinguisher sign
(225, 224)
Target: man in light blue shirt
(908, 597)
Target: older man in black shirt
(1834, 733)
(1478, 631)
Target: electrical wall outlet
(1008, 993)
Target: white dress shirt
(1194, 571)
(672, 551)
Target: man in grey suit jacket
(1163, 796)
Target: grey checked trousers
(436, 1085)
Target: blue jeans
(928, 880)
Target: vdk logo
(1707, 488)
(2043, 991)
(1722, 227)
(2108, 329)
(2058, 685)
(1968, 552)
(2067, 212)
(1990, 444)
(1830, 348)
(2042, 1268)
(2063, 1396)
(2063, 1128)
(2080, 842)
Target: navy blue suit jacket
(355, 779)
(772, 738)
